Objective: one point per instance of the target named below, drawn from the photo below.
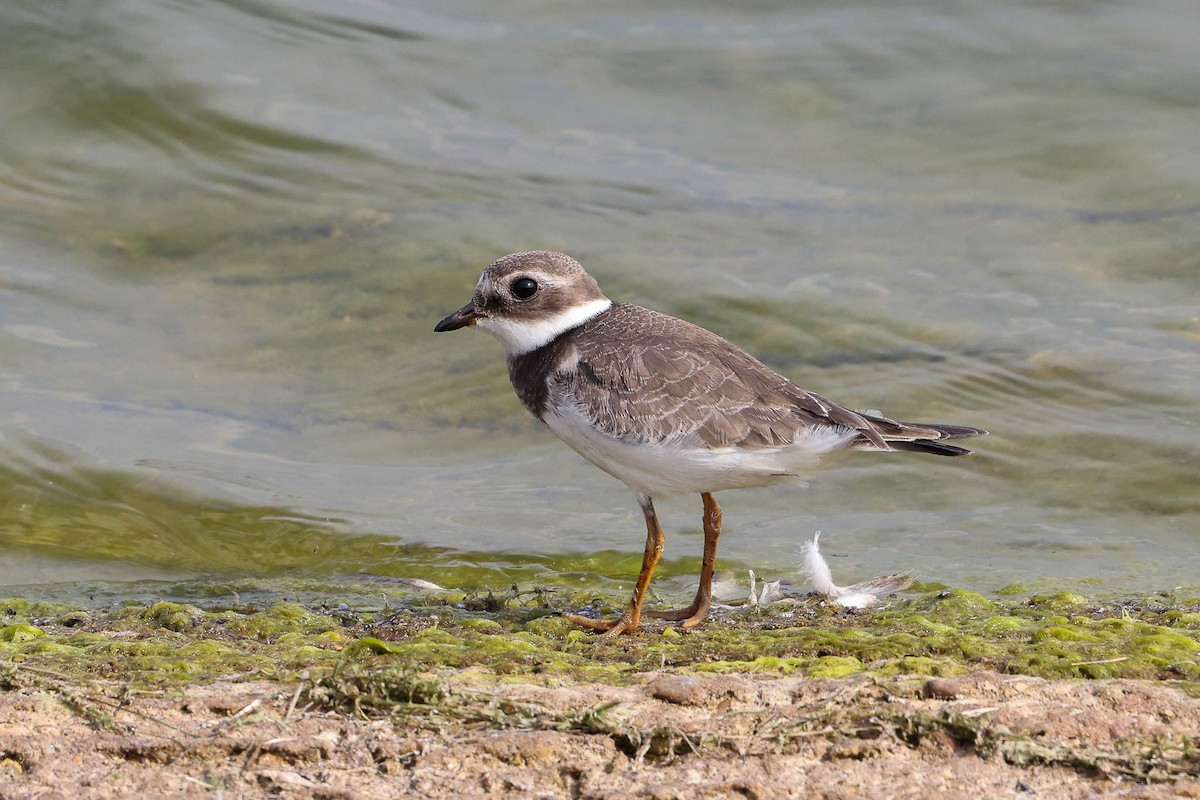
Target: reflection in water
(58, 508)
(143, 525)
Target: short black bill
(459, 319)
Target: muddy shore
(942, 694)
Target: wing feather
(650, 377)
(670, 380)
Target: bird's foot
(688, 617)
(626, 623)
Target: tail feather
(917, 437)
(947, 431)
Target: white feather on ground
(860, 595)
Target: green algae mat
(310, 630)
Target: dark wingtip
(931, 446)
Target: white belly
(665, 469)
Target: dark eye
(523, 288)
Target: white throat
(522, 336)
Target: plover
(663, 405)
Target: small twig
(295, 699)
(48, 673)
(277, 740)
(249, 708)
(643, 749)
(979, 712)
(819, 732)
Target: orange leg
(628, 621)
(695, 613)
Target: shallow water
(226, 231)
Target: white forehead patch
(484, 284)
